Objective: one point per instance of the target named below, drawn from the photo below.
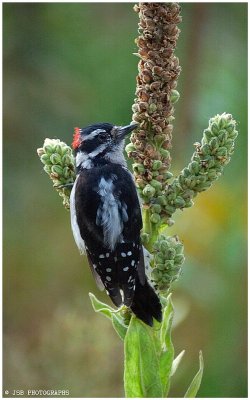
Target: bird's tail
(146, 304)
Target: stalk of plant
(149, 353)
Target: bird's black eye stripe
(104, 136)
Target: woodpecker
(106, 218)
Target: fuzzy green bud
(174, 97)
(144, 237)
(161, 200)
(148, 191)
(139, 168)
(155, 218)
(130, 147)
(156, 165)
(59, 164)
(168, 259)
(55, 158)
(45, 158)
(156, 208)
(164, 153)
(156, 184)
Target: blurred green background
(71, 64)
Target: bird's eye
(103, 135)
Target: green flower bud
(212, 174)
(164, 246)
(179, 202)
(67, 159)
(156, 165)
(161, 267)
(48, 148)
(45, 158)
(171, 196)
(130, 147)
(188, 194)
(222, 152)
(155, 174)
(156, 274)
(186, 173)
(59, 149)
(169, 209)
(234, 135)
(56, 169)
(206, 149)
(156, 208)
(148, 191)
(179, 259)
(167, 175)
(189, 203)
(214, 143)
(208, 135)
(214, 128)
(169, 265)
(222, 121)
(47, 168)
(161, 200)
(156, 184)
(174, 97)
(171, 252)
(230, 127)
(56, 159)
(144, 237)
(179, 248)
(194, 167)
(66, 172)
(164, 153)
(223, 136)
(139, 168)
(155, 218)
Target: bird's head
(100, 141)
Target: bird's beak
(122, 131)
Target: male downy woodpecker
(106, 219)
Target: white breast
(74, 225)
(109, 214)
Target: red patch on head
(76, 138)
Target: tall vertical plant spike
(155, 95)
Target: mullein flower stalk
(59, 164)
(167, 262)
(206, 166)
(153, 105)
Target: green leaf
(167, 355)
(119, 325)
(176, 362)
(100, 307)
(195, 384)
(141, 372)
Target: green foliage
(195, 384)
(149, 360)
